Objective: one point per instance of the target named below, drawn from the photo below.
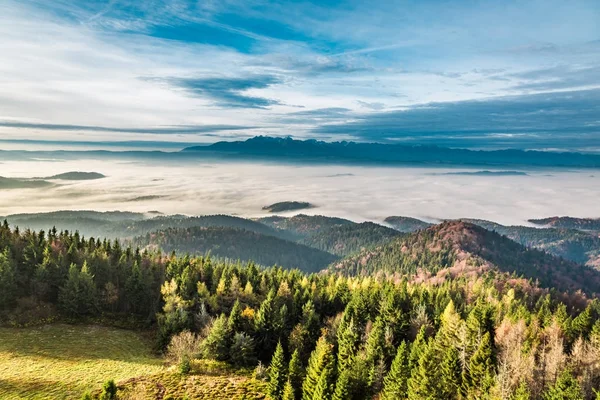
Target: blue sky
(464, 73)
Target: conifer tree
(235, 317)
(450, 371)
(296, 374)
(565, 388)
(522, 392)
(481, 366)
(288, 391)
(416, 348)
(424, 380)
(324, 388)
(343, 386)
(320, 359)
(347, 343)
(216, 344)
(395, 383)
(277, 374)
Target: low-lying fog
(357, 193)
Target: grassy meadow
(63, 361)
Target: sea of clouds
(358, 193)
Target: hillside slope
(346, 239)
(456, 248)
(237, 244)
(572, 244)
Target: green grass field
(63, 361)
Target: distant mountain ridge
(281, 149)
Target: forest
(336, 335)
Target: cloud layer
(352, 192)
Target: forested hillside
(236, 244)
(118, 224)
(330, 335)
(584, 224)
(343, 240)
(302, 225)
(571, 244)
(406, 224)
(455, 248)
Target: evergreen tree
(320, 359)
(522, 392)
(78, 296)
(450, 372)
(395, 384)
(343, 386)
(296, 374)
(288, 391)
(235, 317)
(324, 388)
(480, 371)
(565, 388)
(242, 351)
(424, 382)
(277, 374)
(216, 344)
(348, 339)
(8, 287)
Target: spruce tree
(320, 359)
(395, 383)
(343, 386)
(522, 392)
(347, 343)
(481, 366)
(324, 388)
(296, 374)
(450, 373)
(565, 388)
(424, 382)
(277, 374)
(288, 391)
(216, 345)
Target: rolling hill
(343, 240)
(458, 248)
(237, 244)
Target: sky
(463, 73)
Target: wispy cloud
(229, 92)
(149, 130)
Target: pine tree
(395, 383)
(343, 386)
(450, 371)
(288, 391)
(480, 372)
(416, 348)
(565, 388)
(424, 382)
(277, 374)
(296, 374)
(522, 392)
(216, 344)
(347, 343)
(324, 387)
(320, 359)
